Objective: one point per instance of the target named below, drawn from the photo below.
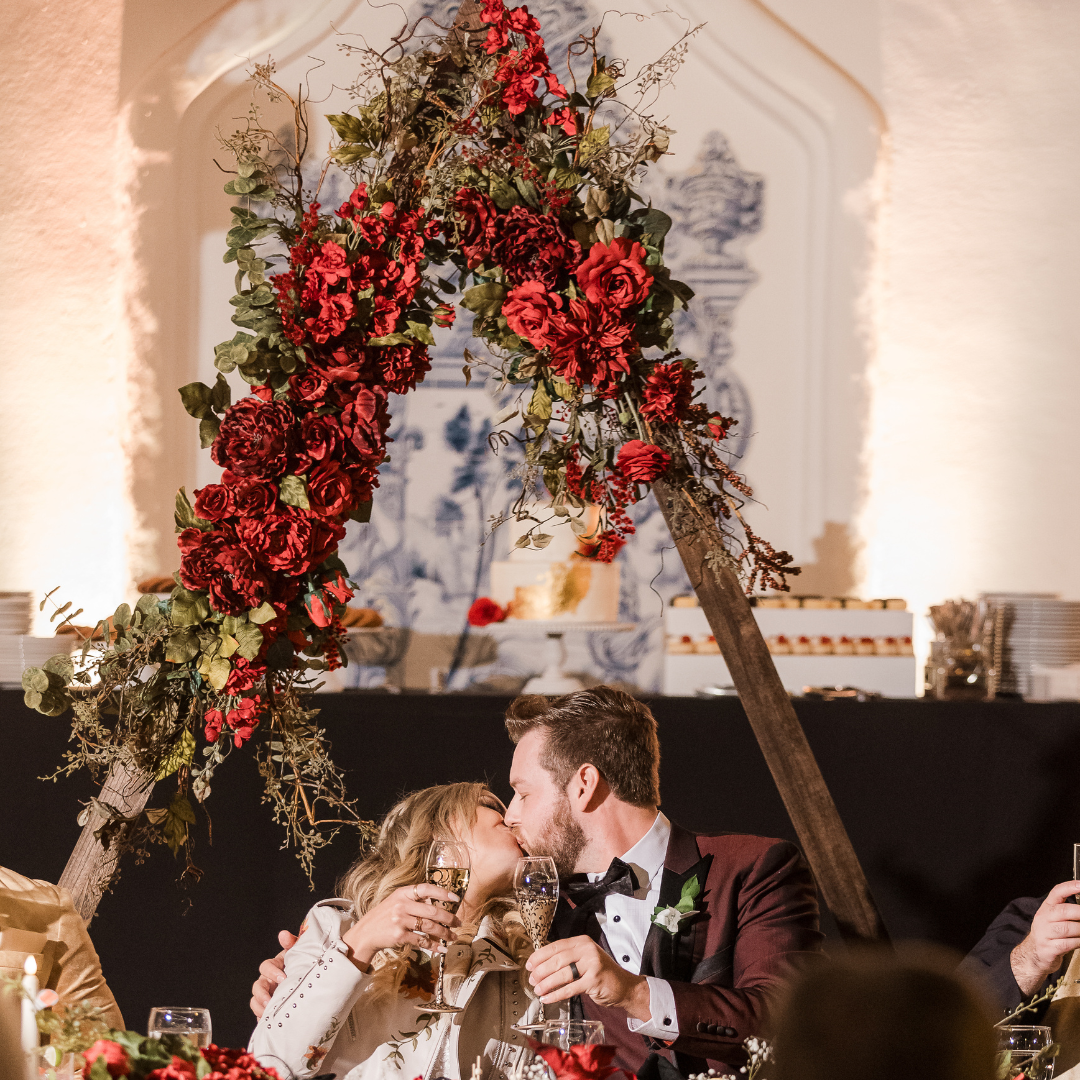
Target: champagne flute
(448, 867)
(536, 887)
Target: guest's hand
(599, 977)
(403, 918)
(1055, 931)
(271, 972)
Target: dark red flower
(335, 311)
(586, 1061)
(214, 719)
(320, 440)
(476, 216)
(240, 584)
(177, 1069)
(330, 490)
(309, 385)
(331, 264)
(243, 676)
(566, 118)
(485, 611)
(244, 719)
(533, 247)
(280, 540)
(403, 366)
(385, 315)
(214, 502)
(254, 438)
(533, 313)
(357, 204)
(251, 497)
(364, 422)
(667, 392)
(116, 1059)
(592, 346)
(199, 553)
(615, 275)
(642, 462)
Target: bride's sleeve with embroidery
(321, 985)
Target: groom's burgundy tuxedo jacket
(758, 926)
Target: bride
(364, 963)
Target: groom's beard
(563, 840)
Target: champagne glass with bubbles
(536, 887)
(192, 1023)
(448, 867)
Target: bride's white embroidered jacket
(321, 1020)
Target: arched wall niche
(798, 334)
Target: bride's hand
(405, 917)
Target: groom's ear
(587, 788)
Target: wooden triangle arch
(782, 740)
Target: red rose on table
(476, 215)
(254, 438)
(485, 611)
(615, 275)
(251, 497)
(214, 502)
(239, 584)
(533, 313)
(642, 462)
(177, 1069)
(330, 490)
(116, 1059)
(667, 392)
(403, 366)
(533, 246)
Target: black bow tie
(588, 896)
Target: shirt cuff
(662, 1022)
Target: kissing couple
(677, 942)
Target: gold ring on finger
(419, 925)
(415, 894)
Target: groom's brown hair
(603, 727)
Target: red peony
(642, 462)
(254, 438)
(199, 553)
(335, 311)
(330, 490)
(593, 346)
(485, 611)
(667, 393)
(615, 275)
(533, 313)
(116, 1059)
(240, 583)
(533, 246)
(583, 1062)
(403, 366)
(214, 502)
(280, 540)
(331, 264)
(177, 1069)
(251, 497)
(476, 216)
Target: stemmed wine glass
(448, 867)
(536, 887)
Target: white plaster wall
(973, 439)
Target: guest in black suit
(1025, 946)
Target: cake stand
(553, 679)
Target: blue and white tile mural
(425, 555)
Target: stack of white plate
(1040, 630)
(15, 613)
(18, 649)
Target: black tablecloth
(953, 809)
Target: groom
(677, 942)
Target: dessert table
(953, 809)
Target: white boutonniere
(670, 918)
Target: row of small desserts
(782, 600)
(822, 645)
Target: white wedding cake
(556, 582)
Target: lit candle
(30, 1039)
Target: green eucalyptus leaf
(34, 678)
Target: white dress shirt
(625, 922)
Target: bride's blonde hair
(398, 858)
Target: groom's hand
(1055, 932)
(600, 977)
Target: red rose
(642, 462)
(533, 313)
(320, 608)
(214, 719)
(385, 315)
(357, 204)
(667, 392)
(320, 440)
(364, 422)
(223, 1060)
(331, 264)
(240, 584)
(177, 1069)
(592, 346)
(476, 216)
(403, 366)
(583, 1062)
(330, 490)
(485, 611)
(199, 553)
(214, 502)
(251, 498)
(280, 540)
(615, 276)
(533, 246)
(116, 1059)
(335, 311)
(254, 438)
(326, 534)
(309, 385)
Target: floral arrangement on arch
(475, 173)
